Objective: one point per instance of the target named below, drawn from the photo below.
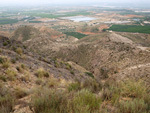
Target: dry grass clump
(20, 92)
(7, 99)
(19, 51)
(11, 74)
(4, 61)
(53, 82)
(3, 78)
(41, 73)
(39, 81)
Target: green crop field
(35, 21)
(131, 28)
(76, 34)
(8, 21)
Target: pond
(79, 18)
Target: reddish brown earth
(132, 16)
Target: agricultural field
(76, 34)
(7, 21)
(131, 28)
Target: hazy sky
(30, 2)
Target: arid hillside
(108, 53)
(27, 33)
(105, 72)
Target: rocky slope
(98, 63)
(22, 71)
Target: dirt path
(139, 66)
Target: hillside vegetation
(42, 71)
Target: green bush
(55, 101)
(133, 106)
(86, 102)
(72, 72)
(49, 101)
(3, 78)
(133, 89)
(5, 44)
(129, 96)
(74, 86)
(13, 61)
(92, 85)
(89, 74)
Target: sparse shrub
(68, 66)
(86, 102)
(7, 100)
(132, 106)
(25, 77)
(129, 96)
(7, 103)
(111, 94)
(13, 61)
(20, 92)
(4, 61)
(50, 101)
(23, 56)
(74, 86)
(5, 43)
(89, 74)
(11, 75)
(72, 72)
(52, 82)
(6, 64)
(23, 66)
(19, 51)
(92, 85)
(56, 101)
(104, 72)
(13, 48)
(133, 89)
(19, 69)
(39, 81)
(41, 73)
(94, 29)
(0, 50)
(56, 63)
(3, 78)
(24, 47)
